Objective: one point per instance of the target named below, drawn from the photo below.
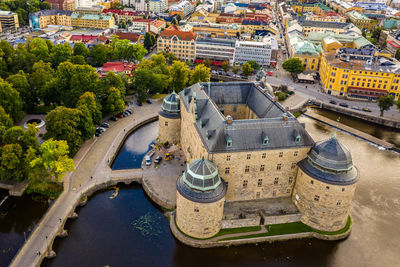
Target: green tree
(80, 49)
(53, 157)
(12, 163)
(247, 69)
(178, 17)
(397, 105)
(115, 103)
(88, 100)
(207, 63)
(148, 82)
(20, 82)
(148, 43)
(10, 100)
(39, 48)
(44, 5)
(199, 74)
(385, 102)
(225, 66)
(254, 64)
(235, 69)
(64, 124)
(86, 125)
(22, 60)
(293, 65)
(99, 55)
(78, 60)
(5, 122)
(179, 75)
(42, 73)
(117, 5)
(12, 135)
(62, 52)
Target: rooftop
(323, 24)
(273, 127)
(174, 30)
(90, 16)
(50, 12)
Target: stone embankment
(218, 242)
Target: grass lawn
(290, 228)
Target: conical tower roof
(170, 106)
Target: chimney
(229, 119)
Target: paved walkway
(91, 170)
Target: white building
(141, 5)
(260, 52)
(215, 49)
(185, 7)
(158, 6)
(86, 3)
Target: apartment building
(363, 74)
(122, 15)
(96, 21)
(183, 8)
(9, 21)
(215, 29)
(215, 49)
(264, 53)
(158, 6)
(156, 26)
(62, 4)
(180, 43)
(360, 20)
(44, 18)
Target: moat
(130, 230)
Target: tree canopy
(247, 69)
(293, 65)
(385, 102)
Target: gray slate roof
(244, 134)
(201, 196)
(170, 107)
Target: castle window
(259, 184)
(273, 193)
(244, 183)
(258, 195)
(295, 153)
(339, 202)
(278, 167)
(276, 180)
(262, 168)
(312, 182)
(196, 209)
(227, 170)
(228, 158)
(247, 168)
(290, 180)
(248, 156)
(343, 189)
(166, 123)
(264, 155)
(316, 198)
(280, 154)
(265, 140)
(293, 165)
(229, 143)
(327, 188)
(288, 190)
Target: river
(129, 230)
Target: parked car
(356, 108)
(113, 119)
(119, 116)
(366, 110)
(284, 52)
(105, 125)
(100, 129)
(158, 160)
(129, 111)
(97, 134)
(148, 160)
(343, 105)
(333, 102)
(139, 104)
(124, 114)
(149, 101)
(214, 72)
(269, 73)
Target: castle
(250, 162)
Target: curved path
(92, 170)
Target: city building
(156, 26)
(264, 53)
(251, 25)
(245, 152)
(158, 6)
(362, 74)
(126, 68)
(215, 49)
(44, 18)
(180, 43)
(309, 54)
(9, 21)
(62, 4)
(360, 20)
(86, 3)
(100, 21)
(122, 15)
(323, 26)
(141, 5)
(215, 29)
(183, 8)
(330, 42)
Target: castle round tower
(200, 199)
(325, 185)
(169, 120)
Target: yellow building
(216, 30)
(180, 43)
(92, 21)
(9, 21)
(365, 75)
(304, 50)
(44, 18)
(360, 20)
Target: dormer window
(229, 143)
(265, 140)
(298, 138)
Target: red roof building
(180, 43)
(117, 67)
(81, 38)
(62, 4)
(133, 37)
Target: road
(92, 168)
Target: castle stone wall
(261, 180)
(200, 220)
(237, 223)
(239, 112)
(323, 206)
(169, 130)
(282, 218)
